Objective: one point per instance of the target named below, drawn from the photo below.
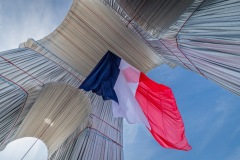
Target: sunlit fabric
(139, 100)
(57, 112)
(102, 139)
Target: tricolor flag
(138, 99)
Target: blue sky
(210, 113)
(23, 19)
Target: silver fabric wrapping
(88, 31)
(211, 39)
(23, 72)
(204, 39)
(57, 112)
(102, 139)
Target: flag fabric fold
(103, 77)
(138, 99)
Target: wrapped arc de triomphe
(39, 95)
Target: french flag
(138, 99)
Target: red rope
(189, 60)
(190, 16)
(57, 64)
(174, 55)
(14, 83)
(107, 137)
(178, 44)
(136, 12)
(65, 147)
(106, 123)
(8, 61)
